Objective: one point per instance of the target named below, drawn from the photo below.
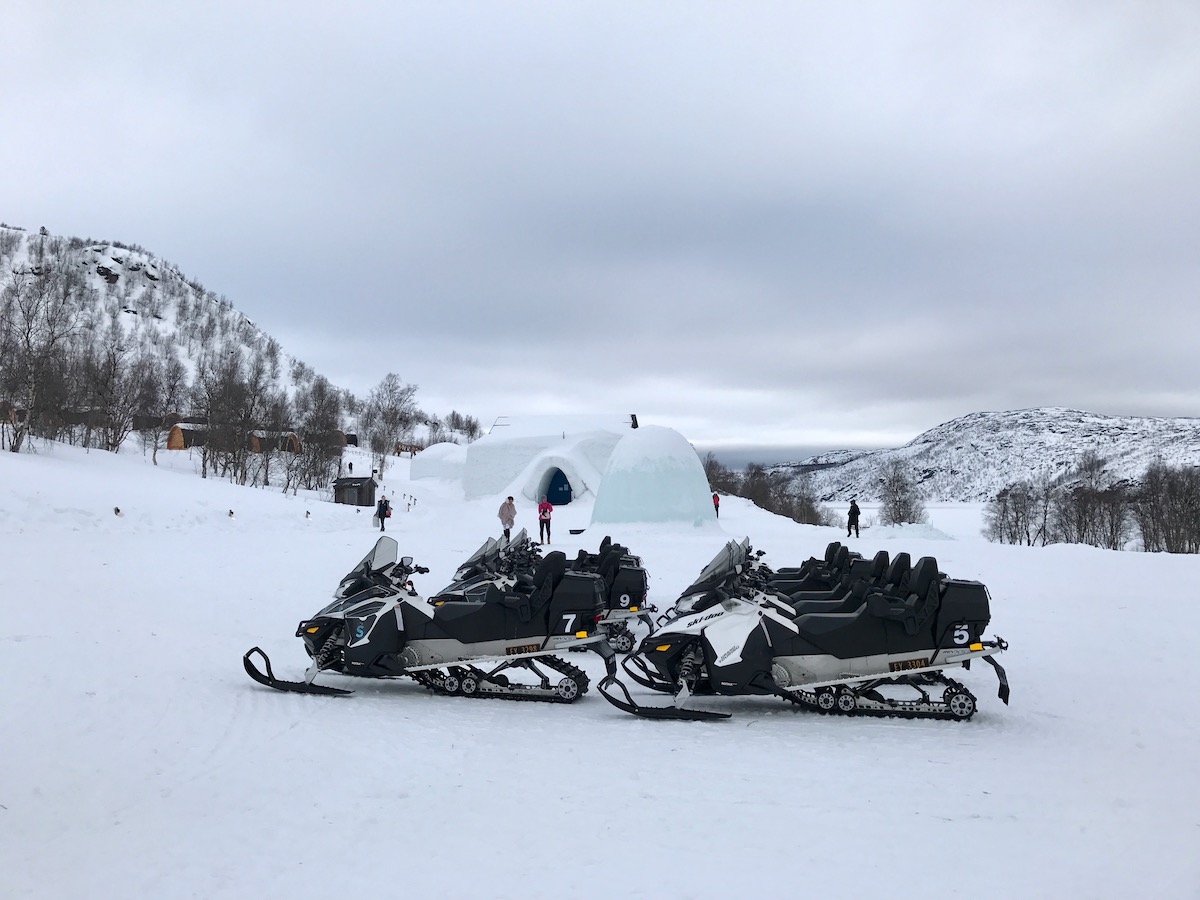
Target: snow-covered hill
(973, 457)
(155, 305)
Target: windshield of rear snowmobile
(384, 553)
(724, 564)
(486, 549)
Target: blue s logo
(359, 632)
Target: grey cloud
(779, 224)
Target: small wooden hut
(354, 491)
(183, 436)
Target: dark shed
(354, 491)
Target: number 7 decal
(569, 619)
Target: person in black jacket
(381, 512)
(852, 521)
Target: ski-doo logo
(711, 615)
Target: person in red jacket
(716, 504)
(544, 511)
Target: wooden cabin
(354, 491)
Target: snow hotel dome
(646, 474)
(653, 475)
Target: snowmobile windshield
(723, 565)
(515, 544)
(384, 553)
(476, 559)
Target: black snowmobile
(887, 656)
(378, 626)
(626, 591)
(508, 564)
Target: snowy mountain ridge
(972, 457)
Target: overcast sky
(798, 224)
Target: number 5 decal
(961, 634)
(569, 619)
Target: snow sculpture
(653, 475)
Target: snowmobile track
(887, 708)
(450, 683)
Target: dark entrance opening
(558, 492)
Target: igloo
(653, 475)
(562, 456)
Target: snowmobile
(378, 626)
(626, 591)
(885, 657)
(508, 564)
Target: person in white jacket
(508, 516)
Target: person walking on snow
(852, 520)
(382, 510)
(544, 511)
(716, 504)
(508, 515)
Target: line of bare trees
(1161, 510)
(774, 491)
(90, 367)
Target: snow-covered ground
(138, 760)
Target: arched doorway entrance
(557, 489)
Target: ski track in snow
(137, 759)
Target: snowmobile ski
(294, 687)
(609, 685)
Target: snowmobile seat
(546, 579)
(859, 570)
(917, 608)
(896, 577)
(580, 563)
(518, 602)
(821, 579)
(610, 562)
(811, 564)
(867, 575)
(886, 623)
